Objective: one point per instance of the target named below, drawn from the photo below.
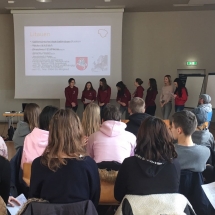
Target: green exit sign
(191, 63)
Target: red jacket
(88, 94)
(125, 98)
(139, 92)
(181, 100)
(150, 97)
(71, 95)
(104, 95)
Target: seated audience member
(64, 173)
(31, 116)
(202, 136)
(5, 175)
(91, 119)
(36, 142)
(191, 156)
(3, 148)
(111, 142)
(203, 111)
(136, 109)
(154, 169)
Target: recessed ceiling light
(107, 0)
(11, 2)
(44, 1)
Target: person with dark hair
(180, 95)
(88, 94)
(64, 173)
(111, 142)
(71, 94)
(31, 121)
(166, 97)
(191, 156)
(36, 142)
(136, 108)
(123, 98)
(154, 168)
(139, 89)
(151, 96)
(104, 93)
(203, 111)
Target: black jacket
(78, 208)
(135, 121)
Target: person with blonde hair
(31, 121)
(64, 173)
(91, 119)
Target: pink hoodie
(111, 142)
(34, 145)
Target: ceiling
(128, 5)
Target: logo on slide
(81, 63)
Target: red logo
(81, 63)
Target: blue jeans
(179, 108)
(123, 109)
(166, 110)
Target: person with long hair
(64, 173)
(36, 142)
(91, 119)
(31, 121)
(123, 98)
(88, 94)
(139, 89)
(166, 97)
(71, 94)
(180, 95)
(151, 96)
(154, 168)
(104, 93)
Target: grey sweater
(204, 138)
(192, 158)
(19, 135)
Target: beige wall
(154, 44)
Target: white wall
(154, 44)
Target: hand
(174, 96)
(119, 101)
(12, 201)
(73, 104)
(85, 141)
(123, 104)
(92, 101)
(84, 103)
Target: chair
(11, 149)
(27, 173)
(125, 120)
(167, 122)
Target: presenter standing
(71, 94)
(139, 91)
(104, 93)
(88, 94)
(166, 97)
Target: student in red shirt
(104, 93)
(139, 91)
(71, 94)
(151, 96)
(88, 93)
(123, 97)
(180, 95)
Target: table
(11, 115)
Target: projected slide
(67, 50)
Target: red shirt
(150, 97)
(139, 92)
(181, 100)
(104, 95)
(88, 94)
(71, 95)
(125, 98)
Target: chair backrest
(11, 149)
(107, 194)
(125, 120)
(167, 122)
(3, 209)
(27, 173)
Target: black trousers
(151, 110)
